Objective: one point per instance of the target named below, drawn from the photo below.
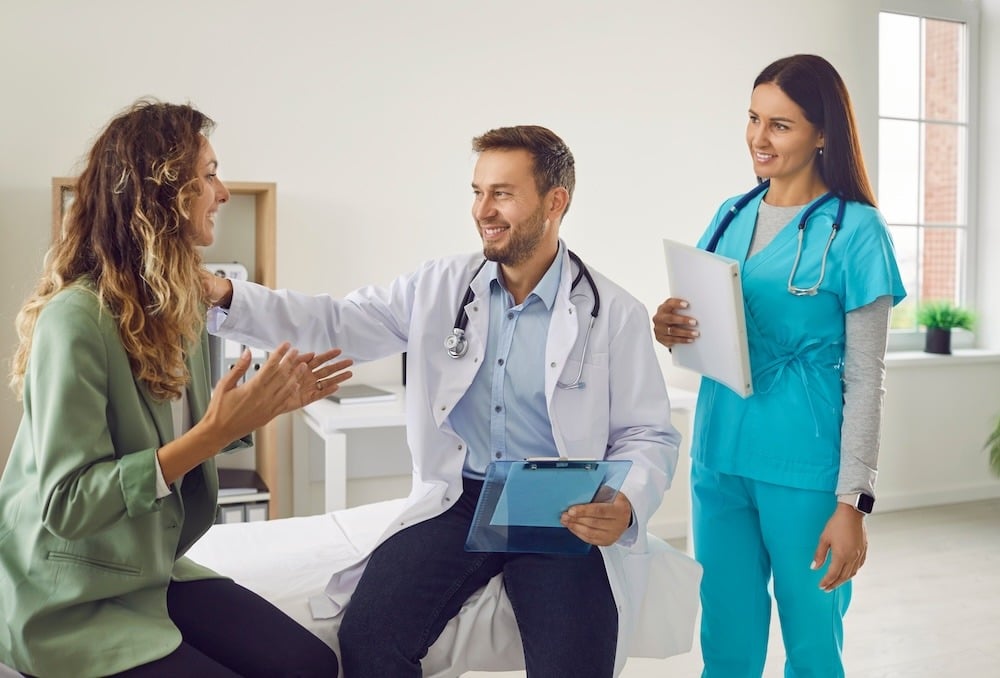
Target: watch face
(866, 503)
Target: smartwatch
(862, 502)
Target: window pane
(899, 66)
(924, 173)
(905, 240)
(899, 170)
(944, 71)
(941, 251)
(944, 156)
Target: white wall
(363, 112)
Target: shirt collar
(546, 288)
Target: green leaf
(993, 448)
(945, 315)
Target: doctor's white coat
(622, 413)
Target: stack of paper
(711, 284)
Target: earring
(821, 151)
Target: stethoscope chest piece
(456, 343)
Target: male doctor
(526, 378)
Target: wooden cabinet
(263, 197)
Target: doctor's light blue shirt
(503, 415)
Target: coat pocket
(577, 408)
(86, 561)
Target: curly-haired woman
(112, 476)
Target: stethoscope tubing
(457, 345)
(745, 199)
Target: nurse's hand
(672, 327)
(599, 523)
(845, 540)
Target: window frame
(966, 12)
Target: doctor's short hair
(816, 86)
(553, 161)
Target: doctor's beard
(522, 240)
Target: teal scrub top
(788, 431)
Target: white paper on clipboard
(712, 286)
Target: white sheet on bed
(289, 561)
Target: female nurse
(781, 481)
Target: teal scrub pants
(745, 533)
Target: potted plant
(940, 317)
(993, 449)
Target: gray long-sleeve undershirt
(866, 334)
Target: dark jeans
(419, 578)
(230, 631)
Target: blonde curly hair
(128, 236)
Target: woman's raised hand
(286, 382)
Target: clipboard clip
(584, 463)
(533, 465)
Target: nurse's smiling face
(783, 143)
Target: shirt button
(550, 365)
(510, 316)
(498, 408)
(500, 361)
(459, 447)
(498, 455)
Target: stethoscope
(823, 199)
(457, 345)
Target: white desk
(320, 452)
(328, 424)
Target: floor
(925, 605)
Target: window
(926, 168)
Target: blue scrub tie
(796, 361)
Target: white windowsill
(960, 356)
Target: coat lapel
(200, 389)
(159, 412)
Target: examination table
(289, 562)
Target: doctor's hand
(218, 290)
(672, 327)
(599, 523)
(845, 540)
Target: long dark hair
(814, 84)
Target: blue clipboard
(521, 502)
